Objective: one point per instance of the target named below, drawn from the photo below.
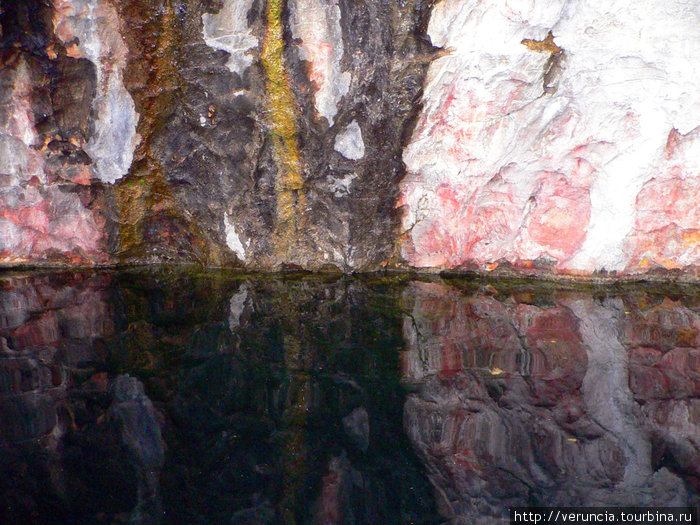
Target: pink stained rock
(667, 222)
(559, 218)
(518, 92)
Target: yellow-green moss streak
(298, 402)
(155, 83)
(282, 119)
(144, 187)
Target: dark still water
(174, 397)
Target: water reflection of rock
(166, 396)
(48, 326)
(75, 443)
(162, 397)
(297, 414)
(552, 398)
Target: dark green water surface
(172, 396)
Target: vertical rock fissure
(283, 132)
(153, 223)
(144, 188)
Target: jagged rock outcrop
(225, 132)
(558, 135)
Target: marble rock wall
(559, 136)
(223, 132)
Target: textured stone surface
(48, 207)
(558, 132)
(90, 29)
(316, 23)
(220, 132)
(525, 396)
(554, 136)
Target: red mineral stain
(452, 360)
(31, 217)
(559, 358)
(320, 64)
(494, 223)
(560, 217)
(468, 461)
(667, 219)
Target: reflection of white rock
(609, 402)
(356, 425)
(317, 24)
(569, 428)
(94, 25)
(236, 307)
(228, 30)
(138, 423)
(349, 142)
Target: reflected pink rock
(675, 426)
(664, 343)
(550, 400)
(41, 314)
(558, 357)
(331, 501)
(37, 333)
(53, 415)
(46, 326)
(671, 375)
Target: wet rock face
(223, 132)
(527, 397)
(548, 135)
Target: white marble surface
(502, 168)
(90, 29)
(233, 241)
(349, 142)
(316, 23)
(228, 30)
